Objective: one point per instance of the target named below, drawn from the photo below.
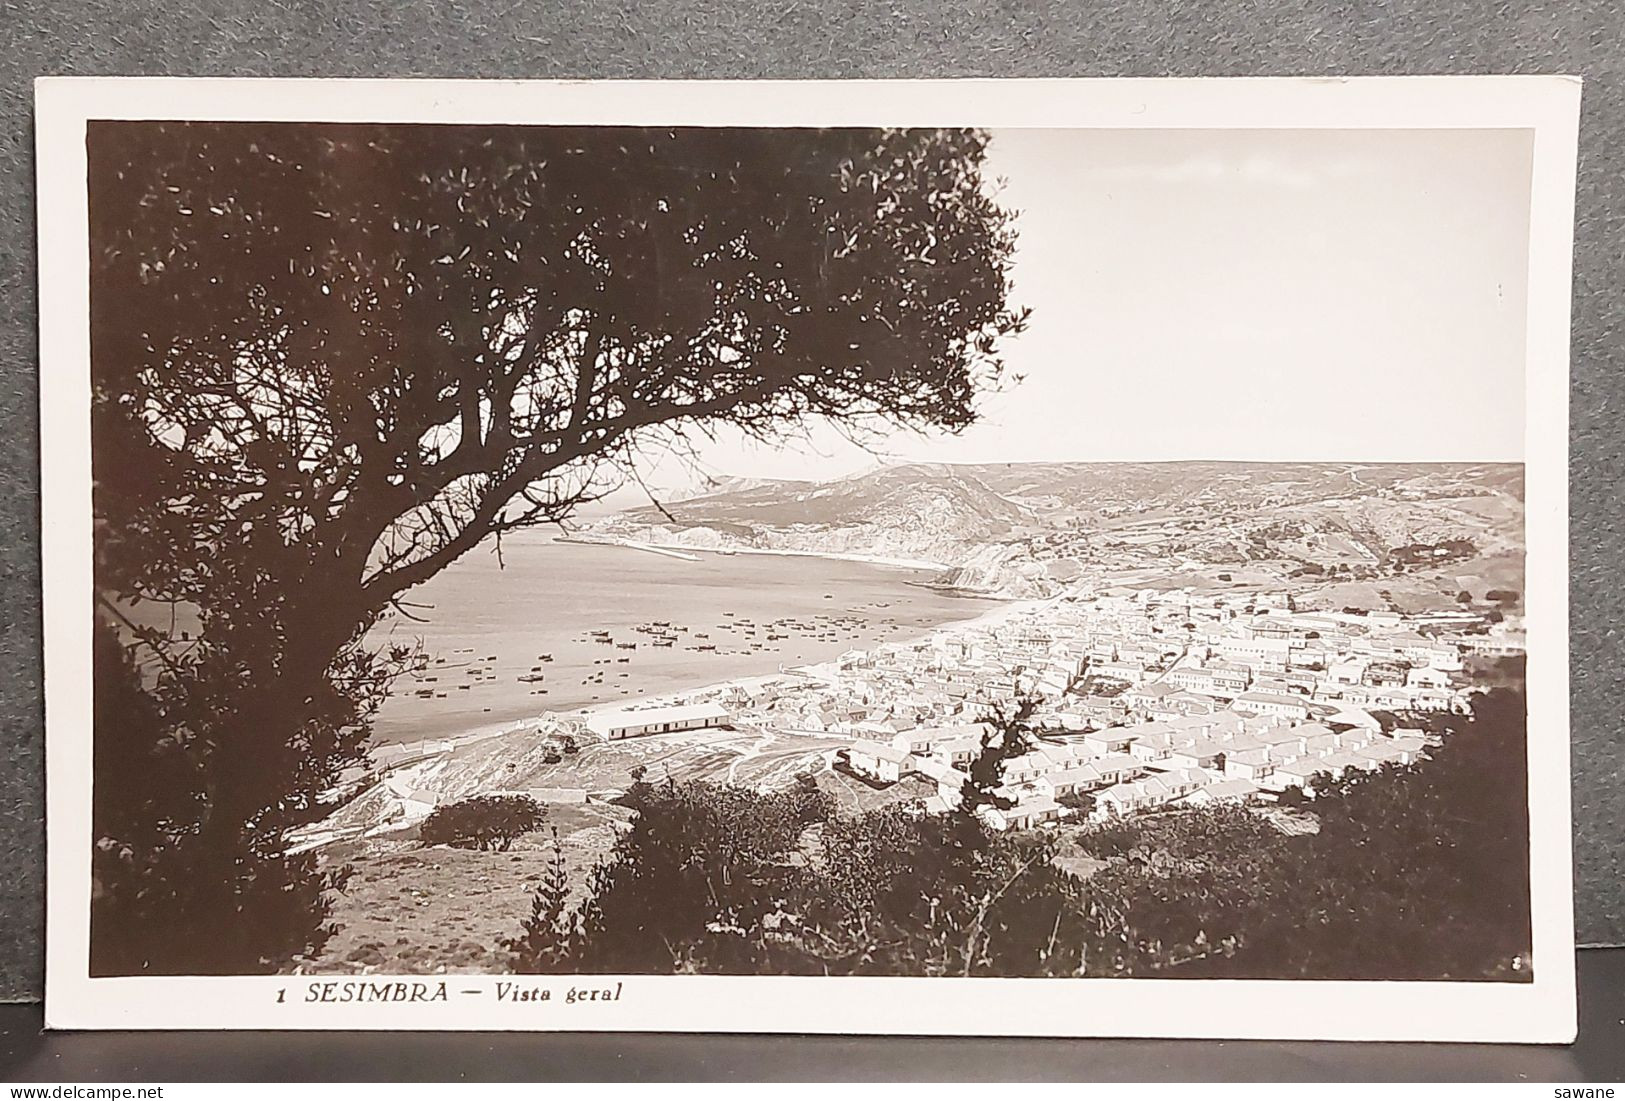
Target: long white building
(615, 725)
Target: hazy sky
(1331, 295)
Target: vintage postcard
(990, 557)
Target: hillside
(935, 513)
(1026, 529)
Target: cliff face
(1008, 571)
(934, 514)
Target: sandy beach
(834, 556)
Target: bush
(485, 822)
(1417, 872)
(1081, 803)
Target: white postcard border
(1542, 1011)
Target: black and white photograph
(795, 558)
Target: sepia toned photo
(532, 559)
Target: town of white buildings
(1142, 699)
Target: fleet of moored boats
(743, 634)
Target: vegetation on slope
(1416, 872)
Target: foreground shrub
(485, 822)
(1417, 872)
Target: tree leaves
(327, 360)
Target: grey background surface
(712, 39)
(28, 1055)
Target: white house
(1248, 764)
(1346, 672)
(1110, 740)
(1225, 791)
(1272, 703)
(1426, 676)
(614, 725)
(878, 761)
(1068, 780)
(1027, 767)
(957, 751)
(1294, 774)
(1116, 766)
(1024, 815)
(920, 741)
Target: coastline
(839, 556)
(816, 670)
(988, 618)
(629, 544)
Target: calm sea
(506, 642)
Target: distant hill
(1024, 528)
(1091, 485)
(884, 496)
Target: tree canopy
(483, 822)
(381, 344)
(329, 359)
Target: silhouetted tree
(1007, 737)
(328, 360)
(1080, 802)
(701, 866)
(483, 822)
(550, 936)
(154, 866)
